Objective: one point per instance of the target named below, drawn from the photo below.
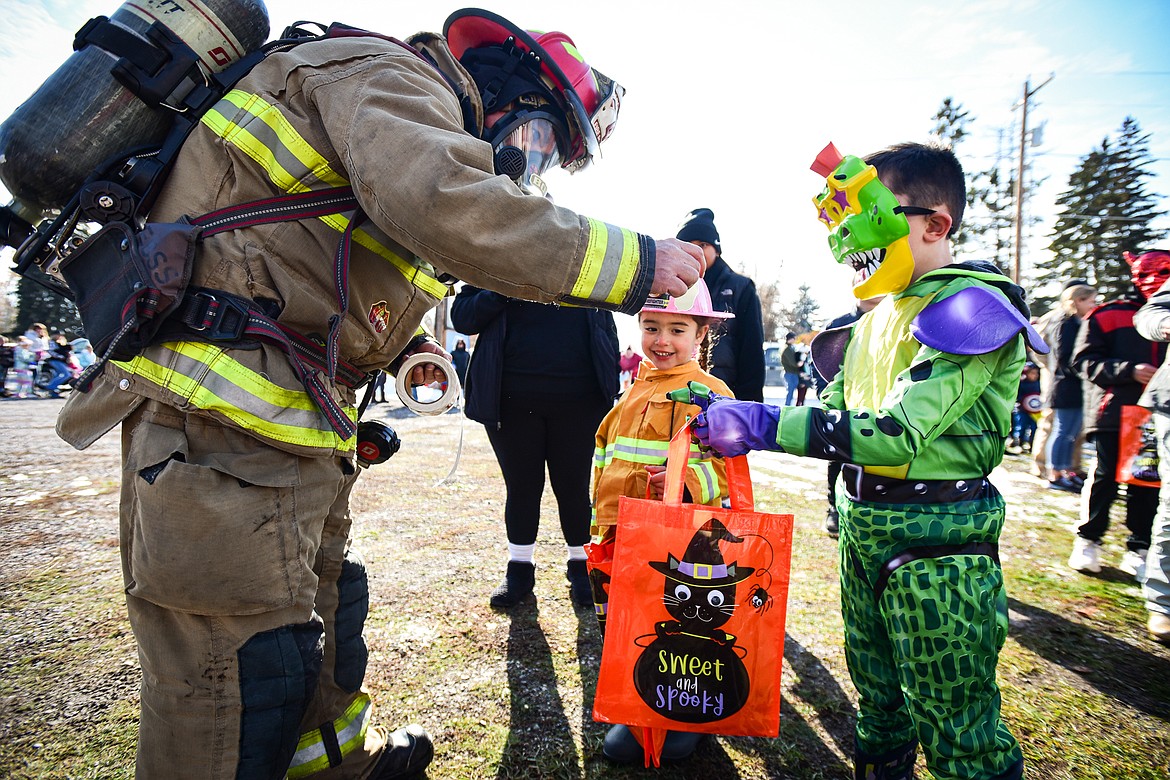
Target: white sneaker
(1134, 563)
(1086, 555)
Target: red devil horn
(827, 160)
(1130, 258)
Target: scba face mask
(868, 227)
(527, 152)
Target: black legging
(1141, 502)
(534, 433)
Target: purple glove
(728, 426)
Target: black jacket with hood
(483, 312)
(1107, 350)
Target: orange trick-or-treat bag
(694, 634)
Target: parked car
(773, 373)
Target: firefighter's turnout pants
(246, 602)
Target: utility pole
(1017, 250)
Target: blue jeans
(790, 381)
(1023, 427)
(61, 374)
(1066, 426)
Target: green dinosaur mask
(867, 231)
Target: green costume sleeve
(945, 417)
(833, 396)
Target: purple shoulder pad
(973, 321)
(828, 350)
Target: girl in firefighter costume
(632, 443)
(919, 409)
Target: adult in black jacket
(738, 357)
(1116, 362)
(540, 380)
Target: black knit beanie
(699, 225)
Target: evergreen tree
(799, 317)
(1106, 210)
(950, 122)
(34, 303)
(989, 224)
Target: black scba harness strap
(130, 280)
(131, 289)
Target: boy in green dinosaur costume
(918, 409)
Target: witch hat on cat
(702, 565)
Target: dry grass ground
(509, 695)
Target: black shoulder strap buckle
(162, 71)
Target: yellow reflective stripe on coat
(635, 450)
(609, 266)
(654, 453)
(311, 756)
(704, 471)
(259, 129)
(208, 378)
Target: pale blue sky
(728, 102)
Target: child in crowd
(24, 368)
(633, 439)
(1027, 409)
(60, 363)
(919, 408)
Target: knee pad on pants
(278, 676)
(353, 605)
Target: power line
(1103, 217)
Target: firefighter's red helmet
(589, 99)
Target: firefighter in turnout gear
(244, 593)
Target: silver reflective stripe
(611, 266)
(311, 755)
(281, 155)
(207, 377)
(640, 450)
(708, 480)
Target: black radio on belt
(376, 442)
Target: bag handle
(739, 478)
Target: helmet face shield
(596, 126)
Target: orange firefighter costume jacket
(636, 433)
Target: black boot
(896, 764)
(580, 591)
(407, 752)
(517, 585)
(832, 524)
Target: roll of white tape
(427, 399)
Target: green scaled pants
(923, 637)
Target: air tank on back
(81, 115)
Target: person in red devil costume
(1116, 362)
